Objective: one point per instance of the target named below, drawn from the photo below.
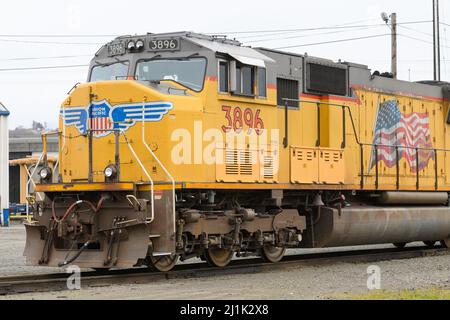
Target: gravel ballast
(325, 281)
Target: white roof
(245, 55)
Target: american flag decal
(403, 130)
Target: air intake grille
(247, 164)
(326, 80)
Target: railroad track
(58, 281)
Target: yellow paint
(304, 165)
(331, 166)
(84, 187)
(247, 164)
(205, 109)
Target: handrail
(146, 173)
(397, 158)
(36, 166)
(30, 178)
(161, 165)
(122, 132)
(62, 135)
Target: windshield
(114, 71)
(188, 72)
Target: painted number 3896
(238, 119)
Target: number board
(164, 45)
(115, 49)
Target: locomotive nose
(116, 122)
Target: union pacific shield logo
(99, 119)
(102, 118)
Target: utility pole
(393, 26)
(394, 44)
(436, 41)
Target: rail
(62, 135)
(375, 147)
(43, 158)
(172, 180)
(30, 179)
(152, 186)
(10, 285)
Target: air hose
(65, 263)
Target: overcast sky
(37, 94)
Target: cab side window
(247, 81)
(224, 76)
(242, 79)
(262, 83)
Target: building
(4, 166)
(23, 155)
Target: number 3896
(164, 44)
(237, 119)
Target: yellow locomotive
(183, 145)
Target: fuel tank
(414, 198)
(362, 225)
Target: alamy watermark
(199, 146)
(374, 279)
(74, 280)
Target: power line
(403, 60)
(46, 67)
(45, 58)
(57, 35)
(418, 31)
(320, 28)
(305, 35)
(424, 33)
(50, 42)
(333, 41)
(291, 32)
(421, 40)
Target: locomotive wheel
(272, 254)
(430, 244)
(400, 245)
(218, 257)
(446, 243)
(163, 263)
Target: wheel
(272, 254)
(218, 257)
(446, 243)
(430, 244)
(400, 245)
(163, 263)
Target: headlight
(139, 45)
(45, 173)
(131, 45)
(110, 171)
